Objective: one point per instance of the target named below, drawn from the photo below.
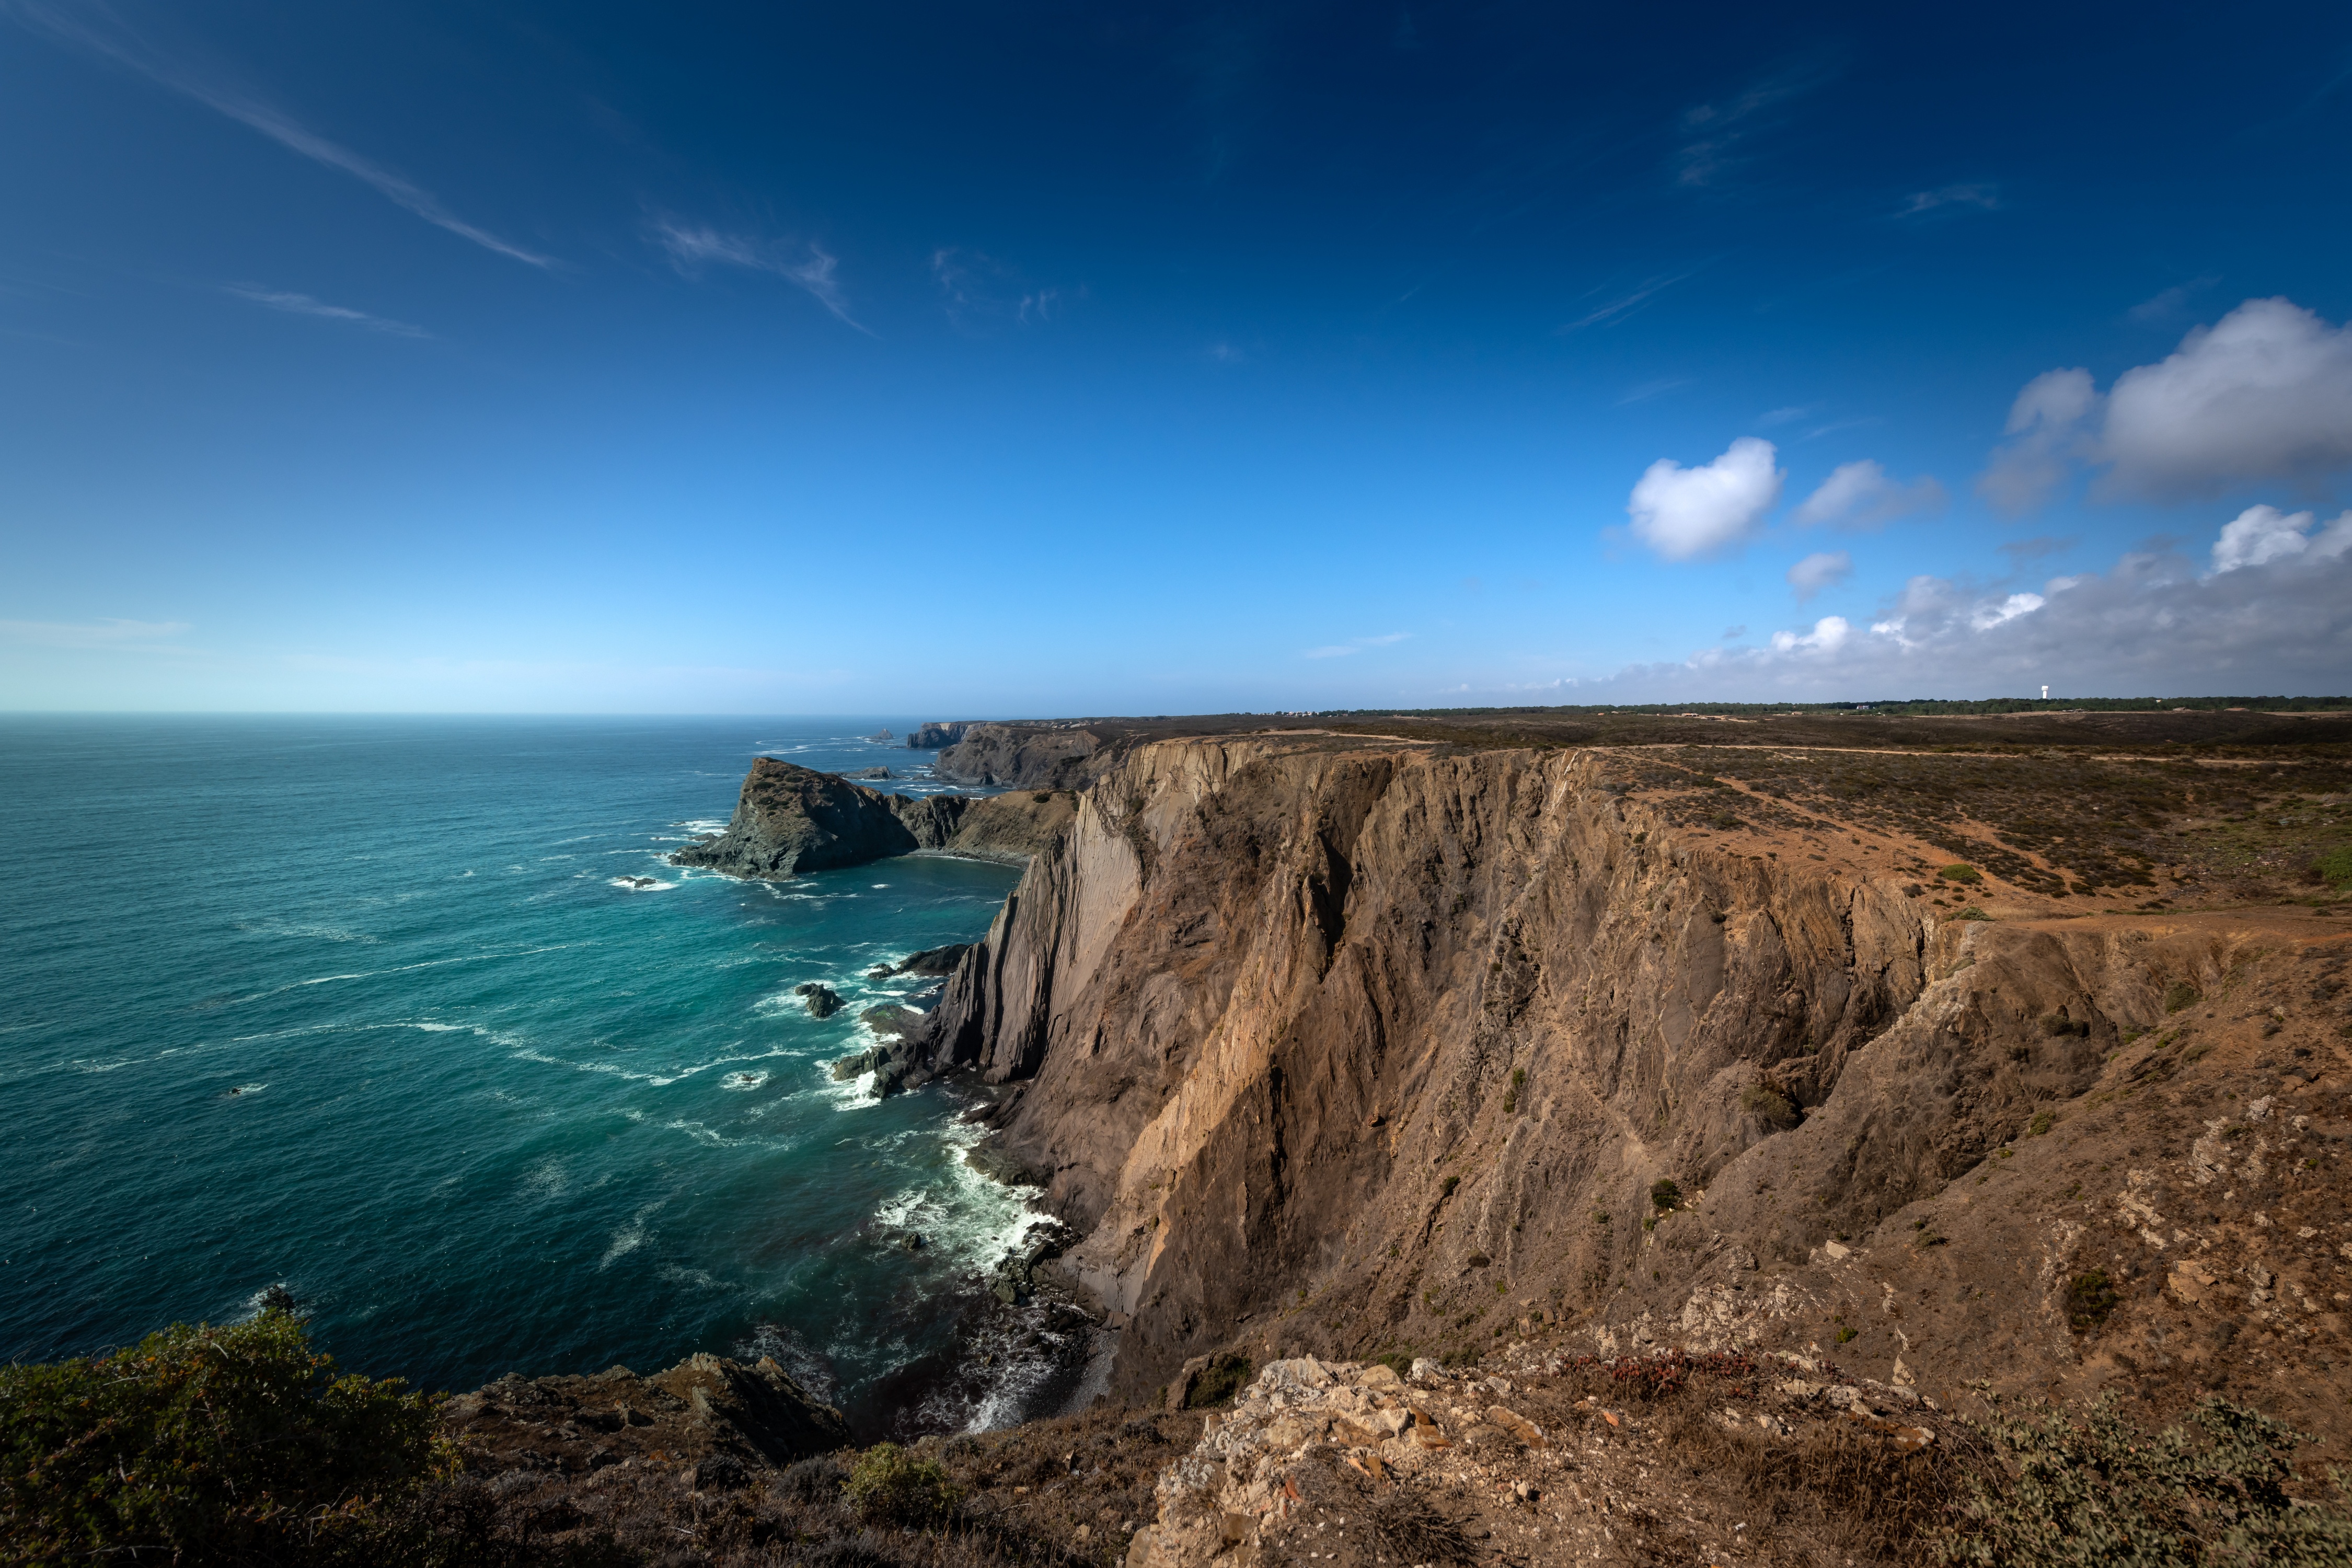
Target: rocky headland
(1641, 1139)
(789, 820)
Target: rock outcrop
(703, 1412)
(1023, 756)
(1360, 1046)
(932, 737)
(789, 820)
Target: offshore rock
(790, 819)
(933, 960)
(821, 1001)
(866, 773)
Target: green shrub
(210, 1445)
(2089, 1299)
(2093, 1489)
(1770, 1104)
(1972, 913)
(1966, 875)
(888, 1485)
(1224, 1376)
(1511, 1096)
(2181, 995)
(1664, 1195)
(1847, 1336)
(2334, 867)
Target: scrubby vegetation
(200, 1443)
(2091, 1489)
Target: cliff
(1362, 1046)
(1025, 756)
(789, 820)
(933, 736)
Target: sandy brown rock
(1417, 1036)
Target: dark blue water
(363, 1007)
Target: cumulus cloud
(2265, 393)
(1862, 495)
(1823, 569)
(2045, 437)
(2270, 617)
(693, 247)
(2262, 534)
(1828, 634)
(1684, 512)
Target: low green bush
(890, 1485)
(2181, 995)
(1224, 1376)
(1664, 1195)
(2089, 1490)
(210, 1444)
(1966, 874)
(2334, 867)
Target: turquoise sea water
(363, 1007)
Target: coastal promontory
(789, 820)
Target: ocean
(374, 1010)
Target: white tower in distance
(2045, 694)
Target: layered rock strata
(789, 820)
(1022, 756)
(1361, 1045)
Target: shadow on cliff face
(1337, 1046)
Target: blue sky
(1037, 359)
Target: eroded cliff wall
(1357, 1046)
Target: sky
(1041, 359)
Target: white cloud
(978, 290)
(1824, 569)
(109, 38)
(2149, 625)
(1828, 634)
(303, 305)
(811, 268)
(2045, 435)
(1684, 512)
(1860, 494)
(2262, 534)
(2265, 393)
(1986, 616)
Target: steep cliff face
(789, 820)
(1025, 756)
(932, 736)
(1360, 1048)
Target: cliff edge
(1376, 1048)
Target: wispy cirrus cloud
(809, 267)
(95, 28)
(979, 291)
(1355, 645)
(1981, 198)
(304, 305)
(1611, 311)
(110, 633)
(1718, 137)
